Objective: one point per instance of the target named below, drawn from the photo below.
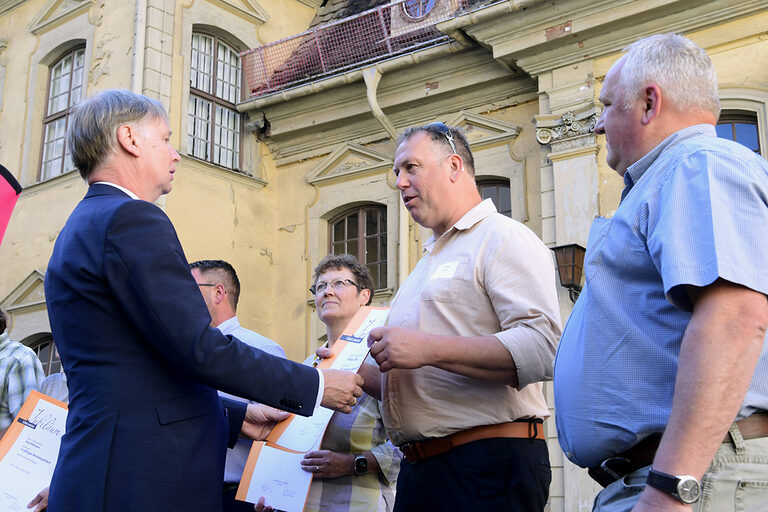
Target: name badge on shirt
(446, 270)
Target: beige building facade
(274, 181)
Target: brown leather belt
(642, 454)
(420, 450)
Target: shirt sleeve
(387, 455)
(710, 224)
(25, 375)
(519, 277)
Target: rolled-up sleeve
(519, 277)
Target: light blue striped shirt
(694, 209)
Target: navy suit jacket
(146, 429)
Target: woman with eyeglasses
(356, 467)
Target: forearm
(717, 359)
(480, 357)
(372, 379)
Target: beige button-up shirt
(487, 275)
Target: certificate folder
(29, 450)
(273, 468)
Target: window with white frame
(65, 88)
(214, 125)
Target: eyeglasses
(337, 286)
(443, 128)
(205, 284)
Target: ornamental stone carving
(569, 127)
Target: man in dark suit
(146, 429)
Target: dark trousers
(230, 504)
(497, 475)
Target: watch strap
(684, 488)
(662, 481)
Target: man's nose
(599, 128)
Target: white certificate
(278, 477)
(29, 450)
(299, 433)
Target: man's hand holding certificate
(29, 450)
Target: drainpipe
(139, 40)
(372, 76)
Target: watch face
(688, 489)
(361, 465)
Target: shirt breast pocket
(448, 281)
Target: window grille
(65, 88)
(363, 233)
(213, 123)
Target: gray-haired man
(146, 429)
(665, 349)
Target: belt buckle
(412, 452)
(420, 450)
(610, 470)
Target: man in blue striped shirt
(662, 370)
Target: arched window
(46, 352)
(214, 125)
(739, 126)
(65, 88)
(362, 232)
(498, 191)
(418, 9)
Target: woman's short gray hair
(93, 124)
(678, 66)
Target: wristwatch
(361, 465)
(684, 488)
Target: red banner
(9, 193)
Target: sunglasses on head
(443, 128)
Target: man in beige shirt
(471, 334)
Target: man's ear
(221, 293)
(457, 165)
(126, 137)
(651, 103)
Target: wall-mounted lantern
(570, 263)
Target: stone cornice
(56, 12)
(349, 160)
(7, 5)
(250, 10)
(315, 4)
(542, 38)
(314, 124)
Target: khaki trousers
(736, 481)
